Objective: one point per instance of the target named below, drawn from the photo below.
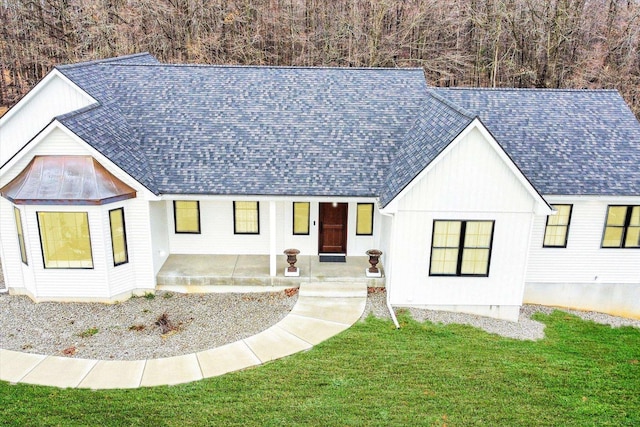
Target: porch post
(272, 238)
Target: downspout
(388, 271)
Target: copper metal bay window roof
(66, 180)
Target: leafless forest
(514, 43)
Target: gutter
(391, 312)
(388, 275)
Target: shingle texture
(574, 142)
(250, 130)
(438, 124)
(184, 129)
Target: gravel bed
(127, 331)
(524, 329)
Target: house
(480, 199)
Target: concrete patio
(322, 311)
(250, 273)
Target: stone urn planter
(374, 259)
(292, 258)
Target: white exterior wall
(159, 234)
(216, 231)
(53, 96)
(471, 182)
(217, 237)
(583, 275)
(102, 283)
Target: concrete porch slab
(250, 273)
(227, 358)
(341, 310)
(171, 370)
(274, 343)
(60, 372)
(103, 375)
(14, 365)
(196, 270)
(311, 330)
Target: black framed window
(186, 214)
(301, 218)
(461, 248)
(23, 248)
(246, 217)
(557, 229)
(364, 220)
(118, 237)
(65, 239)
(622, 227)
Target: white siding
(583, 260)
(217, 237)
(57, 142)
(53, 97)
(470, 183)
(583, 275)
(216, 232)
(69, 283)
(102, 282)
(159, 233)
(12, 264)
(138, 272)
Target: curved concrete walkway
(323, 310)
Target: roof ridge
(111, 61)
(455, 107)
(521, 89)
(279, 67)
(77, 112)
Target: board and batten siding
(583, 275)
(53, 96)
(471, 182)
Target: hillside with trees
(494, 43)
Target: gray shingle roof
(438, 123)
(184, 129)
(577, 142)
(254, 130)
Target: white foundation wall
(583, 275)
(471, 182)
(52, 97)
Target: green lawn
(424, 374)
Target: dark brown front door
(333, 228)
